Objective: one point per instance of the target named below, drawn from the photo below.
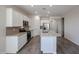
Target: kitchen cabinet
(15, 43)
(15, 18)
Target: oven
(28, 36)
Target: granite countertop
(50, 33)
(15, 34)
(15, 31)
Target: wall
(2, 29)
(72, 25)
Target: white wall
(2, 29)
(72, 25)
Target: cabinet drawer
(21, 41)
(24, 35)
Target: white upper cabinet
(15, 18)
(9, 17)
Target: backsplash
(12, 30)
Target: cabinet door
(36, 26)
(9, 17)
(17, 18)
(48, 44)
(22, 40)
(11, 44)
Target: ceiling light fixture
(36, 12)
(32, 5)
(50, 5)
(48, 12)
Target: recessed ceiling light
(32, 5)
(36, 12)
(50, 5)
(48, 12)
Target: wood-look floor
(33, 47)
(64, 46)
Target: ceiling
(46, 10)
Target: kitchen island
(49, 42)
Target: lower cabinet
(15, 43)
(22, 41)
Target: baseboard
(71, 41)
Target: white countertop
(50, 33)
